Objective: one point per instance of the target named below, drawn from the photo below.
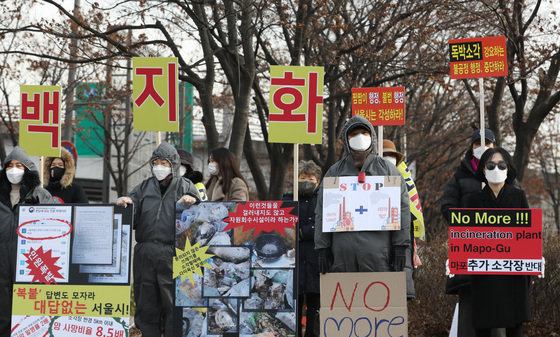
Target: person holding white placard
(364, 251)
(154, 202)
(19, 185)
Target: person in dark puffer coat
(58, 177)
(460, 186)
(308, 278)
(19, 185)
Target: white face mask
(360, 142)
(391, 160)
(182, 171)
(213, 169)
(479, 151)
(161, 172)
(495, 176)
(15, 175)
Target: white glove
(447, 270)
(542, 272)
(187, 200)
(124, 201)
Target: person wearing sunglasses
(499, 301)
(463, 183)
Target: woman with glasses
(499, 301)
(462, 184)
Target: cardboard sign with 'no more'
(363, 304)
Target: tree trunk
(279, 162)
(254, 166)
(495, 108)
(208, 120)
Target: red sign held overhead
(381, 106)
(478, 57)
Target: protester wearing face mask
(464, 181)
(499, 301)
(365, 251)
(154, 202)
(186, 170)
(308, 277)
(462, 184)
(19, 185)
(226, 182)
(58, 177)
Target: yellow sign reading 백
(39, 126)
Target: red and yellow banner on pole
(296, 105)
(155, 94)
(381, 106)
(478, 57)
(39, 126)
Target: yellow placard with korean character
(39, 127)
(155, 94)
(296, 105)
(71, 300)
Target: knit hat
(389, 148)
(488, 134)
(186, 157)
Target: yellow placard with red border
(155, 94)
(40, 120)
(71, 300)
(478, 57)
(296, 105)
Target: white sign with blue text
(373, 205)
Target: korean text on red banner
(381, 106)
(495, 241)
(478, 57)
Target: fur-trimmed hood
(69, 168)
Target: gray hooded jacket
(154, 213)
(364, 251)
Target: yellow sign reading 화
(155, 94)
(296, 105)
(189, 261)
(71, 300)
(39, 126)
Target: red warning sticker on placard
(42, 266)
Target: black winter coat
(71, 194)
(499, 301)
(459, 187)
(308, 263)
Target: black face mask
(57, 173)
(306, 188)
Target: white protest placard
(370, 206)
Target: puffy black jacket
(459, 187)
(308, 263)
